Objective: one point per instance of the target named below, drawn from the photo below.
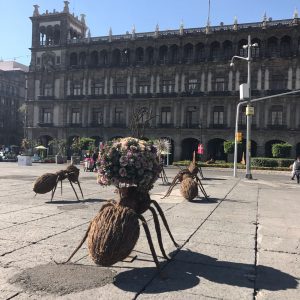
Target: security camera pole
(249, 108)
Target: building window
(118, 116)
(48, 89)
(277, 115)
(77, 90)
(47, 116)
(38, 61)
(98, 89)
(218, 115)
(143, 88)
(58, 60)
(97, 117)
(193, 85)
(191, 116)
(75, 116)
(278, 82)
(166, 115)
(120, 88)
(242, 117)
(167, 86)
(220, 84)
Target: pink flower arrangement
(128, 162)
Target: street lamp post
(248, 113)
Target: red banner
(200, 149)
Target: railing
(217, 126)
(191, 125)
(119, 125)
(165, 125)
(45, 97)
(41, 124)
(153, 34)
(277, 126)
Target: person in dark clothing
(95, 158)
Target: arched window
(94, 58)
(116, 57)
(73, 59)
(255, 51)
(278, 81)
(150, 55)
(125, 56)
(42, 36)
(242, 50)
(227, 50)
(82, 59)
(163, 54)
(56, 35)
(49, 35)
(188, 51)
(215, 50)
(285, 46)
(174, 54)
(139, 55)
(200, 52)
(272, 46)
(103, 58)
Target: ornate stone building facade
(89, 86)
(12, 97)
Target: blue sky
(121, 15)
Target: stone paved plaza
(241, 244)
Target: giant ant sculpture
(114, 231)
(49, 181)
(189, 182)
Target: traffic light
(239, 136)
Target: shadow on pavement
(89, 200)
(203, 200)
(188, 269)
(211, 178)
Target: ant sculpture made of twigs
(114, 231)
(189, 182)
(49, 181)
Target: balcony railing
(119, 125)
(41, 97)
(217, 126)
(41, 124)
(95, 124)
(191, 125)
(165, 125)
(277, 126)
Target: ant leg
(162, 215)
(79, 246)
(158, 233)
(61, 187)
(148, 235)
(80, 189)
(201, 187)
(54, 189)
(174, 182)
(73, 189)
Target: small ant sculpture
(189, 182)
(48, 181)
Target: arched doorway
(97, 139)
(215, 149)
(242, 149)
(188, 146)
(69, 143)
(268, 147)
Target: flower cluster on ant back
(128, 162)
